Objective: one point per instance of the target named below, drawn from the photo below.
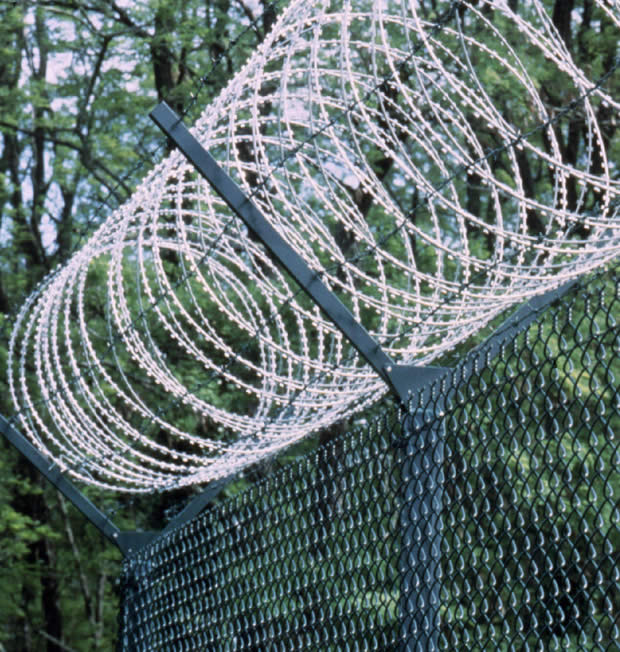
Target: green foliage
(77, 81)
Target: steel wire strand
(242, 315)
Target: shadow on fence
(483, 519)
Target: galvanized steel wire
(335, 88)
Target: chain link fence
(485, 518)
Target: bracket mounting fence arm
(54, 476)
(168, 121)
(126, 542)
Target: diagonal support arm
(54, 475)
(168, 121)
(127, 542)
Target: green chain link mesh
(485, 519)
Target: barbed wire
(203, 81)
(353, 381)
(185, 277)
(147, 158)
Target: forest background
(77, 81)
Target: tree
(77, 81)
(73, 79)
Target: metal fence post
(421, 531)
